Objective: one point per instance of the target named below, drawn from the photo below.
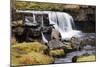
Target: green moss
(86, 58)
(57, 52)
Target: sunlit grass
(28, 47)
(29, 53)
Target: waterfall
(44, 38)
(63, 22)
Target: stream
(88, 49)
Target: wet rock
(88, 41)
(54, 44)
(75, 43)
(68, 45)
(55, 34)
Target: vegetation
(86, 58)
(28, 47)
(36, 6)
(30, 53)
(35, 52)
(57, 52)
(32, 58)
(42, 6)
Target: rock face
(84, 17)
(75, 43)
(55, 34)
(54, 44)
(82, 13)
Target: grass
(28, 47)
(32, 58)
(29, 53)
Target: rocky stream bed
(88, 48)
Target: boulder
(84, 58)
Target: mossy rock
(57, 52)
(89, 58)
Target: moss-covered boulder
(84, 58)
(57, 52)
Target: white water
(63, 23)
(88, 49)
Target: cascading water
(63, 22)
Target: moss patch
(57, 52)
(86, 58)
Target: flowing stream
(88, 49)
